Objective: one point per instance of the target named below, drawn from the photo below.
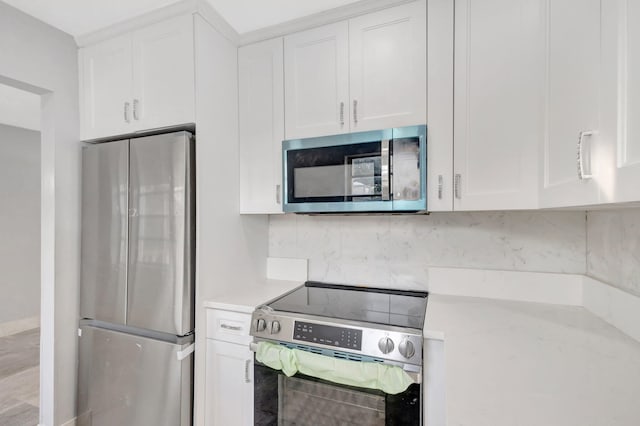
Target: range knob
(261, 325)
(386, 345)
(406, 348)
(275, 327)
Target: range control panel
(340, 337)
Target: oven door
(307, 401)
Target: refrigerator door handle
(185, 352)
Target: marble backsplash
(613, 248)
(398, 250)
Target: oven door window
(336, 174)
(306, 401)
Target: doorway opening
(20, 255)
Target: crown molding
(318, 19)
(201, 7)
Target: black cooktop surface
(371, 305)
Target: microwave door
(337, 174)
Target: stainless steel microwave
(377, 171)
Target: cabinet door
(316, 75)
(619, 20)
(499, 71)
(229, 384)
(164, 91)
(388, 68)
(572, 102)
(261, 110)
(440, 108)
(106, 88)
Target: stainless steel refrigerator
(137, 290)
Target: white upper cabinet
(137, 81)
(440, 106)
(621, 180)
(388, 68)
(363, 74)
(261, 108)
(316, 65)
(498, 82)
(573, 103)
(163, 73)
(105, 88)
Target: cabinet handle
(440, 186)
(278, 200)
(127, 117)
(355, 111)
(581, 166)
(136, 109)
(231, 327)
(456, 185)
(247, 364)
(342, 113)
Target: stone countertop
(247, 298)
(513, 363)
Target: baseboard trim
(71, 422)
(18, 326)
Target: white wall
(613, 248)
(42, 59)
(396, 251)
(19, 223)
(231, 249)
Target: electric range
(358, 323)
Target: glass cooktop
(372, 305)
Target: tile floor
(19, 378)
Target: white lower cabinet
(229, 369)
(229, 384)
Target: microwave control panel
(341, 337)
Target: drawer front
(229, 326)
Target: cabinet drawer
(229, 326)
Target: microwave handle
(385, 170)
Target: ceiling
(19, 108)
(79, 17)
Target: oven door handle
(412, 371)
